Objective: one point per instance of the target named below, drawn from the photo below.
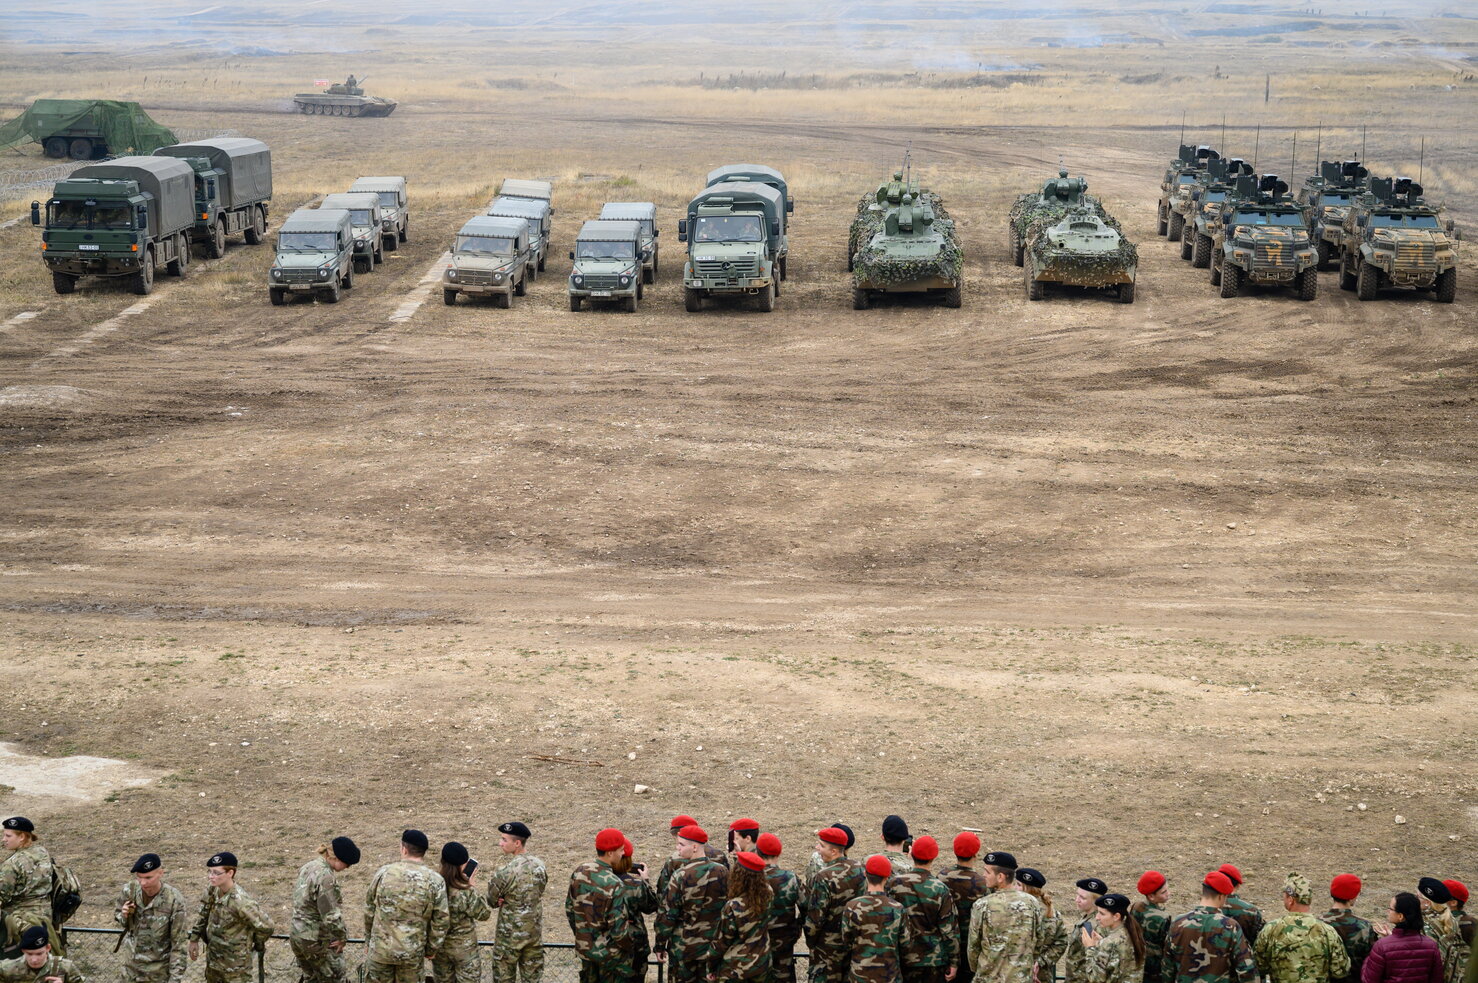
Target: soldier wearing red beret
(597, 918)
(1246, 914)
(1459, 942)
(873, 928)
(1206, 946)
(1154, 922)
(835, 883)
(931, 941)
(967, 884)
(688, 913)
(784, 926)
(741, 951)
(1355, 932)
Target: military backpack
(66, 894)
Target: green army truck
(1328, 196)
(1181, 178)
(85, 129)
(735, 233)
(644, 213)
(758, 174)
(395, 220)
(315, 256)
(365, 220)
(607, 264)
(120, 218)
(1263, 238)
(537, 213)
(1393, 238)
(233, 189)
(491, 257)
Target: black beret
(851, 837)
(1000, 858)
(1093, 885)
(34, 937)
(345, 849)
(1116, 903)
(1434, 890)
(223, 859)
(895, 830)
(515, 828)
(415, 839)
(20, 823)
(454, 853)
(144, 864)
(1031, 877)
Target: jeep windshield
(490, 245)
(389, 199)
(1293, 219)
(1187, 179)
(80, 215)
(605, 250)
(729, 228)
(1379, 221)
(306, 242)
(360, 216)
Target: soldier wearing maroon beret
(1206, 946)
(837, 881)
(967, 884)
(1154, 922)
(1356, 933)
(784, 927)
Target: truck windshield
(1186, 179)
(484, 244)
(605, 250)
(360, 216)
(389, 199)
(306, 242)
(1334, 198)
(1212, 196)
(1263, 218)
(729, 228)
(1403, 221)
(80, 215)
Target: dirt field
(1166, 585)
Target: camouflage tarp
(1031, 217)
(875, 265)
(125, 127)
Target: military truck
(1327, 197)
(120, 218)
(644, 213)
(1393, 238)
(915, 251)
(233, 189)
(1181, 177)
(85, 129)
(735, 233)
(395, 220)
(607, 264)
(315, 256)
(536, 212)
(345, 98)
(1207, 203)
(1263, 238)
(491, 257)
(364, 219)
(1062, 235)
(757, 174)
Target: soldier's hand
(949, 974)
(52, 979)
(194, 951)
(127, 909)
(661, 957)
(337, 946)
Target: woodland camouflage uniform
(1206, 946)
(639, 900)
(158, 934)
(599, 922)
(233, 926)
(1356, 933)
(1154, 925)
(932, 942)
(518, 940)
(1246, 914)
(831, 887)
(967, 884)
(783, 924)
(741, 948)
(687, 918)
(874, 930)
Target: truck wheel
(1201, 257)
(1346, 277)
(55, 147)
(767, 298)
(63, 283)
(775, 282)
(1188, 242)
(1177, 225)
(390, 242)
(80, 149)
(363, 264)
(543, 260)
(180, 266)
(521, 287)
(648, 276)
(448, 297)
(349, 278)
(1035, 289)
(258, 227)
(1308, 284)
(952, 296)
(575, 303)
(1126, 293)
(277, 295)
(332, 295)
(1446, 289)
(629, 305)
(143, 280)
(380, 255)
(692, 300)
(405, 231)
(1163, 224)
(784, 271)
(504, 301)
(215, 246)
(1018, 251)
(1325, 255)
(1231, 280)
(860, 300)
(1367, 282)
(655, 257)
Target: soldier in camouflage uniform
(406, 915)
(1056, 932)
(458, 960)
(1007, 927)
(25, 884)
(837, 881)
(1115, 949)
(37, 963)
(687, 915)
(932, 945)
(672, 863)
(1436, 918)
(967, 884)
(1154, 922)
(231, 922)
(517, 892)
(318, 933)
(156, 925)
(1299, 948)
(1246, 914)
(598, 918)
(1206, 946)
(817, 861)
(874, 928)
(1460, 934)
(783, 926)
(896, 842)
(1356, 933)
(1089, 890)
(741, 949)
(639, 900)
(744, 836)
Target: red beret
(768, 844)
(678, 822)
(744, 826)
(879, 866)
(750, 860)
(1233, 874)
(609, 839)
(1345, 887)
(833, 836)
(1150, 882)
(627, 849)
(693, 832)
(1459, 890)
(925, 848)
(1219, 882)
(967, 845)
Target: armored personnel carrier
(1262, 238)
(1207, 204)
(1393, 238)
(1062, 235)
(1181, 177)
(1328, 196)
(913, 250)
(345, 98)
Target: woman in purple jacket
(1404, 954)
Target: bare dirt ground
(1163, 585)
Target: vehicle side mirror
(1450, 223)
(143, 216)
(774, 228)
(789, 205)
(36, 214)
(658, 232)
(682, 227)
(572, 254)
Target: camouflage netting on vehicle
(875, 265)
(1030, 215)
(124, 125)
(869, 220)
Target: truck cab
(1263, 238)
(315, 256)
(607, 264)
(366, 220)
(395, 219)
(536, 212)
(735, 233)
(490, 258)
(643, 213)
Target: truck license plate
(87, 246)
(600, 293)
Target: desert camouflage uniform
(640, 900)
(967, 884)
(518, 940)
(233, 926)
(25, 893)
(1299, 948)
(783, 925)
(599, 921)
(1357, 935)
(16, 971)
(874, 933)
(1007, 936)
(406, 916)
(1055, 938)
(1206, 946)
(1112, 960)
(933, 938)
(1154, 922)
(459, 960)
(318, 920)
(1459, 946)
(687, 918)
(1246, 914)
(832, 886)
(741, 945)
(902, 862)
(1075, 967)
(157, 934)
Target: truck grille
(747, 267)
(602, 281)
(1272, 254)
(475, 278)
(1420, 254)
(300, 276)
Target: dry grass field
(1164, 585)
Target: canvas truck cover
(245, 163)
(518, 188)
(770, 200)
(486, 225)
(378, 184)
(526, 208)
(609, 231)
(171, 182)
(316, 220)
(124, 125)
(756, 173)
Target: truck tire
(405, 231)
(860, 300)
(1188, 242)
(692, 300)
(1446, 288)
(1367, 282)
(648, 276)
(1035, 289)
(775, 282)
(784, 271)
(1307, 283)
(258, 227)
(575, 303)
(55, 147)
(215, 246)
(655, 257)
(544, 259)
(1177, 226)
(277, 295)
(1163, 222)
(766, 298)
(521, 287)
(63, 283)
(952, 296)
(390, 242)
(1231, 280)
(333, 294)
(1126, 293)
(349, 278)
(629, 304)
(851, 261)
(180, 265)
(1201, 257)
(504, 301)
(363, 264)
(143, 280)
(80, 149)
(1326, 258)
(448, 297)
(1346, 275)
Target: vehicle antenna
(1318, 141)
(1362, 142)
(1293, 164)
(1182, 127)
(1256, 143)
(1223, 132)
(908, 164)
(1421, 163)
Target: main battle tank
(903, 241)
(1062, 235)
(345, 98)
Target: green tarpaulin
(124, 126)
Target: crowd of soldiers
(736, 916)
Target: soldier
(1007, 926)
(457, 959)
(156, 925)
(874, 928)
(1299, 948)
(1089, 890)
(640, 900)
(318, 934)
(932, 939)
(1206, 946)
(836, 882)
(1243, 912)
(1056, 932)
(37, 963)
(1154, 922)
(1355, 932)
(516, 890)
(896, 843)
(784, 924)
(597, 917)
(741, 950)
(817, 861)
(1460, 935)
(1114, 945)
(967, 884)
(406, 915)
(230, 921)
(744, 835)
(670, 866)
(1435, 916)
(25, 883)
(687, 915)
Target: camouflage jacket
(784, 923)
(516, 889)
(25, 881)
(1206, 946)
(807, 875)
(1299, 948)
(717, 854)
(832, 886)
(465, 908)
(318, 905)
(741, 946)
(1055, 938)
(158, 931)
(929, 906)
(968, 886)
(664, 876)
(406, 914)
(1356, 933)
(1246, 914)
(874, 932)
(1154, 923)
(16, 971)
(1075, 967)
(1007, 936)
(232, 925)
(598, 919)
(687, 915)
(639, 900)
(1459, 946)
(1112, 960)
(902, 862)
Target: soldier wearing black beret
(1055, 931)
(230, 922)
(38, 961)
(25, 882)
(1116, 942)
(516, 889)
(318, 933)
(156, 923)
(1075, 968)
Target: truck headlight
(276, 273)
(323, 273)
(451, 274)
(625, 281)
(361, 240)
(579, 280)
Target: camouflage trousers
(145, 972)
(457, 967)
(827, 966)
(393, 972)
(596, 973)
(317, 962)
(782, 965)
(523, 961)
(687, 967)
(643, 954)
(214, 974)
(923, 974)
